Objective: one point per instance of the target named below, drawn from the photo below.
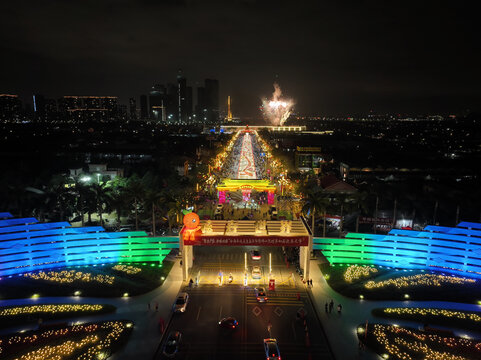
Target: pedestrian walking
(331, 305)
(180, 262)
(326, 307)
(156, 306)
(339, 308)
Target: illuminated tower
(229, 112)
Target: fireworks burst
(277, 110)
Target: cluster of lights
(419, 280)
(396, 343)
(50, 308)
(69, 276)
(97, 339)
(434, 312)
(128, 269)
(355, 272)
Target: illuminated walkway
(247, 167)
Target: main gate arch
(246, 233)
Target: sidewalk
(146, 334)
(340, 329)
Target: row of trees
(153, 198)
(426, 202)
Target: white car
(181, 302)
(256, 272)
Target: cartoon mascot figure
(191, 225)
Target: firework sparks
(277, 110)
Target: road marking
(278, 311)
(256, 310)
(220, 312)
(198, 313)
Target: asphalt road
(202, 338)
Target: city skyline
(413, 58)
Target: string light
(355, 272)
(452, 314)
(419, 280)
(69, 276)
(128, 269)
(49, 308)
(96, 340)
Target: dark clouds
(333, 59)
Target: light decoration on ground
(70, 276)
(451, 314)
(277, 109)
(355, 272)
(94, 338)
(128, 269)
(419, 280)
(49, 308)
(406, 344)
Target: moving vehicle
(181, 302)
(171, 346)
(256, 272)
(261, 294)
(229, 323)
(231, 278)
(271, 349)
(255, 255)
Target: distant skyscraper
(200, 108)
(182, 94)
(88, 108)
(212, 99)
(155, 102)
(38, 107)
(10, 107)
(172, 102)
(189, 103)
(144, 112)
(133, 108)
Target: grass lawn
(129, 280)
(467, 292)
(30, 314)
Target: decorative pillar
(270, 198)
(221, 197)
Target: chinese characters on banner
(223, 240)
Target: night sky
(333, 59)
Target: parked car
(181, 302)
(172, 344)
(271, 349)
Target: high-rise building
(38, 107)
(144, 108)
(133, 108)
(10, 107)
(156, 106)
(88, 108)
(181, 92)
(212, 99)
(200, 108)
(189, 104)
(171, 103)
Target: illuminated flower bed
(70, 276)
(104, 280)
(355, 272)
(128, 269)
(394, 342)
(82, 342)
(452, 318)
(419, 280)
(21, 315)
